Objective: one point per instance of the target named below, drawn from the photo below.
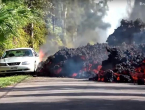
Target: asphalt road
(71, 94)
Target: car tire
(34, 73)
(35, 66)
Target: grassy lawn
(6, 81)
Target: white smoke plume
(118, 10)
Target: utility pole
(30, 5)
(32, 27)
(53, 12)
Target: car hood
(16, 59)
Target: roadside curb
(12, 87)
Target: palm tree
(12, 17)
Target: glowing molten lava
(74, 75)
(41, 55)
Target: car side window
(36, 55)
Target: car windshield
(18, 53)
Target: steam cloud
(118, 10)
(138, 10)
(95, 27)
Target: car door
(36, 57)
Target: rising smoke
(138, 10)
(118, 10)
(95, 25)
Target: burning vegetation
(121, 60)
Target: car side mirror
(36, 55)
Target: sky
(117, 12)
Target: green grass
(6, 81)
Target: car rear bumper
(13, 69)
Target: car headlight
(3, 64)
(26, 63)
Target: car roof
(19, 49)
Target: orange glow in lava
(118, 78)
(74, 75)
(41, 55)
(58, 71)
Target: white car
(19, 60)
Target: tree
(12, 17)
(138, 10)
(79, 16)
(60, 21)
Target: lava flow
(118, 61)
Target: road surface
(71, 94)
